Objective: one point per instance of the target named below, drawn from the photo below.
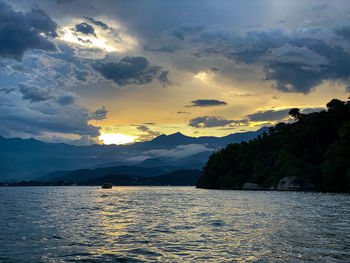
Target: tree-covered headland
(316, 147)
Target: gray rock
(294, 183)
(250, 186)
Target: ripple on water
(171, 224)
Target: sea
(171, 224)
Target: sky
(84, 71)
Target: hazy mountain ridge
(24, 159)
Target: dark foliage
(315, 147)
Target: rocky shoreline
(289, 183)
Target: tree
(295, 113)
(316, 147)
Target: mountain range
(27, 159)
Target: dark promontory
(316, 148)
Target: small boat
(107, 186)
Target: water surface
(171, 224)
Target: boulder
(294, 183)
(250, 186)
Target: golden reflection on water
(109, 222)
(150, 224)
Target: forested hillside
(315, 147)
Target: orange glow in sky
(116, 138)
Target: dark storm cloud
(261, 116)
(99, 114)
(270, 115)
(344, 32)
(165, 49)
(301, 76)
(65, 100)
(146, 129)
(18, 118)
(33, 93)
(206, 103)
(97, 23)
(148, 133)
(19, 68)
(21, 32)
(80, 75)
(85, 28)
(65, 1)
(7, 90)
(187, 29)
(163, 78)
(277, 115)
(295, 62)
(212, 121)
(319, 8)
(131, 71)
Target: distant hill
(316, 147)
(176, 178)
(80, 175)
(152, 162)
(25, 159)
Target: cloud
(344, 32)
(319, 8)
(269, 115)
(260, 116)
(149, 134)
(81, 75)
(33, 93)
(299, 64)
(65, 100)
(206, 103)
(186, 29)
(82, 141)
(310, 110)
(38, 110)
(276, 115)
(20, 119)
(64, 1)
(165, 49)
(295, 61)
(163, 78)
(85, 28)
(99, 114)
(7, 90)
(21, 32)
(179, 152)
(97, 23)
(131, 71)
(212, 121)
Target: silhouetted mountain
(24, 159)
(172, 140)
